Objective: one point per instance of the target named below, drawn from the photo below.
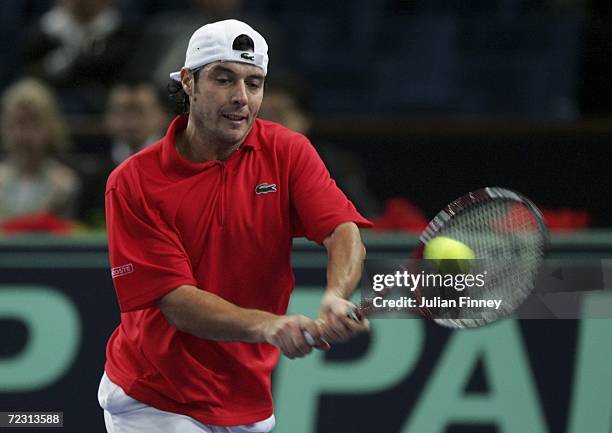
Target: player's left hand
(334, 320)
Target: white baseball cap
(214, 42)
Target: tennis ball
(449, 255)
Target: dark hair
(179, 100)
(243, 43)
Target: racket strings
(508, 246)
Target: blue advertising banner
(57, 309)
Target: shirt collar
(177, 167)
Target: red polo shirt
(225, 227)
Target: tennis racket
(507, 234)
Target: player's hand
(287, 333)
(336, 325)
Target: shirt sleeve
(318, 205)
(147, 258)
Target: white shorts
(123, 414)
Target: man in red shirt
(200, 228)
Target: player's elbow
(175, 307)
(359, 247)
(346, 235)
(362, 250)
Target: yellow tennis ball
(449, 255)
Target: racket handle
(355, 315)
(309, 338)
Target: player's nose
(239, 94)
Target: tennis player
(200, 227)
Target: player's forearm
(345, 260)
(206, 315)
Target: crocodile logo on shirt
(265, 188)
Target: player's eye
(223, 80)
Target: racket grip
(354, 314)
(309, 338)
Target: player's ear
(187, 81)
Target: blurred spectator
(32, 179)
(135, 118)
(166, 35)
(79, 47)
(282, 105)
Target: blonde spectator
(32, 179)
